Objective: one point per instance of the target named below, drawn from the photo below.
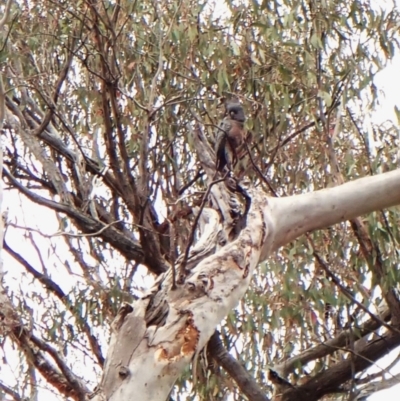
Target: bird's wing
(225, 125)
(221, 135)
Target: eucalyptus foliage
(101, 174)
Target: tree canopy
(103, 180)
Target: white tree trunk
(145, 358)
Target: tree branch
(52, 105)
(126, 245)
(73, 380)
(10, 392)
(49, 284)
(330, 346)
(295, 215)
(246, 383)
(331, 379)
(372, 388)
(76, 390)
(347, 293)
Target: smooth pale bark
(144, 362)
(211, 290)
(296, 215)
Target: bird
(230, 136)
(278, 380)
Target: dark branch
(49, 284)
(246, 383)
(330, 380)
(128, 247)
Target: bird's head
(235, 111)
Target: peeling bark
(213, 287)
(182, 320)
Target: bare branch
(182, 267)
(50, 373)
(372, 388)
(55, 289)
(330, 346)
(330, 380)
(2, 102)
(347, 293)
(77, 384)
(246, 383)
(60, 81)
(10, 392)
(123, 242)
(301, 213)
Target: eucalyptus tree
(132, 269)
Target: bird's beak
(240, 117)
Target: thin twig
(160, 59)
(2, 102)
(259, 171)
(172, 234)
(49, 115)
(296, 133)
(60, 233)
(87, 235)
(191, 182)
(8, 33)
(346, 292)
(3, 21)
(354, 122)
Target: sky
(389, 83)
